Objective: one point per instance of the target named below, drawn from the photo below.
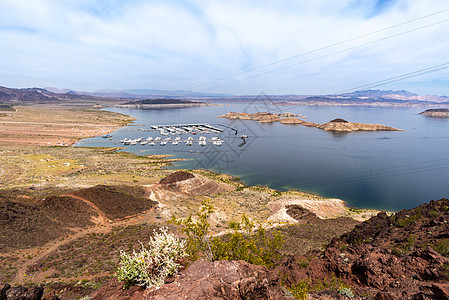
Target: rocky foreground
(403, 256)
(399, 256)
(290, 118)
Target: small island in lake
(436, 112)
(290, 118)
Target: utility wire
(327, 55)
(399, 77)
(318, 49)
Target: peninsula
(160, 103)
(290, 118)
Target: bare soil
(118, 201)
(56, 125)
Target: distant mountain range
(366, 97)
(142, 93)
(43, 96)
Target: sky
(230, 46)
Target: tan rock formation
(342, 125)
(290, 118)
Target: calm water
(384, 170)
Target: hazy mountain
(152, 93)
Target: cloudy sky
(229, 46)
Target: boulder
(23, 293)
(221, 280)
(206, 280)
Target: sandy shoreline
(56, 126)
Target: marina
(167, 131)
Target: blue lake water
(384, 170)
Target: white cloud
(92, 45)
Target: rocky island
(436, 112)
(290, 118)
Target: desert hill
(436, 112)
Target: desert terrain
(68, 211)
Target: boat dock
(186, 129)
(178, 130)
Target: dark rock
(338, 120)
(23, 293)
(3, 288)
(441, 291)
(113, 290)
(176, 177)
(50, 296)
(384, 296)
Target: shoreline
(313, 195)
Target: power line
(399, 77)
(318, 49)
(327, 55)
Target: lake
(388, 170)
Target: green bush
(196, 227)
(246, 241)
(300, 290)
(149, 267)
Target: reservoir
(388, 170)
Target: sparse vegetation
(405, 248)
(150, 266)
(246, 242)
(300, 290)
(442, 247)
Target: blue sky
(189, 44)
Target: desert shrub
(346, 291)
(402, 250)
(246, 241)
(149, 267)
(196, 227)
(442, 247)
(299, 290)
(254, 247)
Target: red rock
(441, 291)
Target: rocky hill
(436, 112)
(403, 256)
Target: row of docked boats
(202, 141)
(185, 129)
